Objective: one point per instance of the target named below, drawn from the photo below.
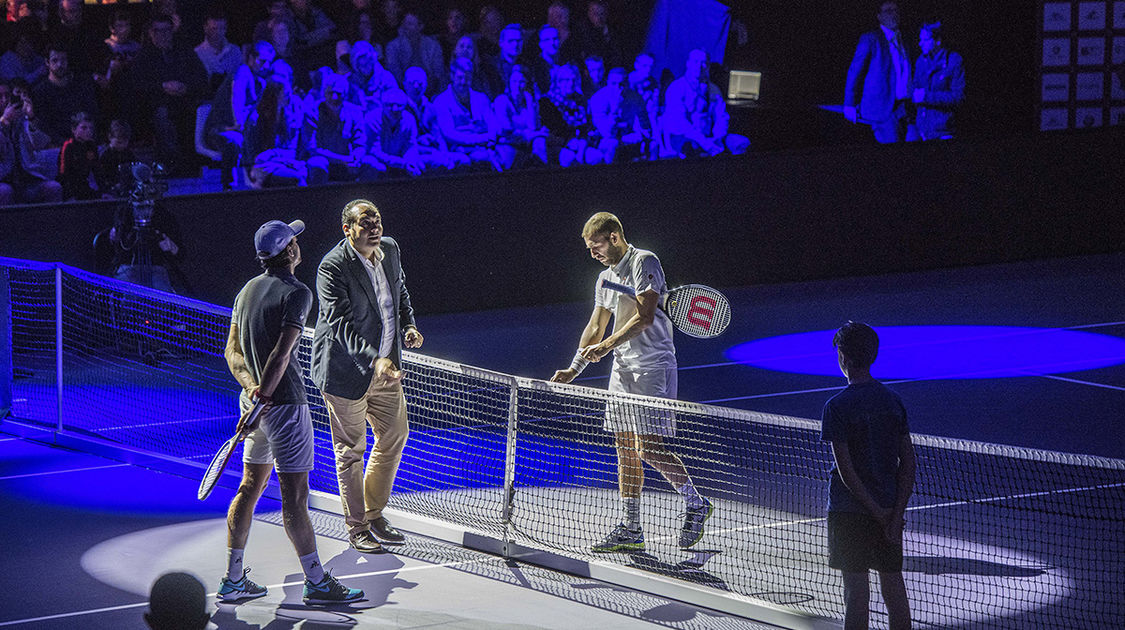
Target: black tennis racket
(222, 456)
(695, 310)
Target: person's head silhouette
(177, 601)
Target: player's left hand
(594, 353)
(413, 338)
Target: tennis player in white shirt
(644, 363)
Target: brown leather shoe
(364, 542)
(384, 532)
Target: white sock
(631, 512)
(234, 564)
(310, 564)
(691, 496)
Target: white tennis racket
(222, 456)
(695, 310)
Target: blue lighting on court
(936, 352)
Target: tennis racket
(222, 456)
(695, 310)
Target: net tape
(998, 536)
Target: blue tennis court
(1030, 355)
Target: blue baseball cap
(273, 236)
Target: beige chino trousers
(364, 493)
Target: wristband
(579, 362)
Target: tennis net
(997, 537)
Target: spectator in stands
(368, 79)
(334, 138)
(878, 82)
(313, 32)
(455, 27)
(649, 92)
(517, 120)
(596, 38)
(642, 69)
(78, 160)
(412, 48)
(387, 27)
(233, 104)
(619, 118)
(178, 601)
(275, 10)
(61, 95)
(593, 74)
(168, 79)
(171, 10)
(113, 155)
(219, 57)
(14, 10)
(112, 77)
(25, 59)
(564, 113)
(394, 140)
(939, 85)
(467, 47)
(278, 34)
(361, 28)
(695, 114)
(496, 69)
(73, 31)
(431, 144)
(24, 168)
(272, 133)
(487, 38)
(558, 17)
(547, 60)
(465, 116)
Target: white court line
(211, 596)
(1074, 380)
(916, 508)
(167, 422)
(59, 472)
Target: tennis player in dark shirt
(265, 332)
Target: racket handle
(620, 288)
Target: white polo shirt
(641, 270)
(383, 296)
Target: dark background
(474, 242)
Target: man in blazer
(878, 84)
(364, 320)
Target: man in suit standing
(365, 319)
(878, 85)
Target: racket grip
(620, 288)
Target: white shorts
(642, 419)
(284, 438)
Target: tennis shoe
(694, 518)
(621, 539)
(240, 589)
(330, 591)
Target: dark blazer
(871, 78)
(348, 325)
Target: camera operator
(23, 165)
(146, 237)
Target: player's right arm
(278, 360)
(236, 360)
(593, 333)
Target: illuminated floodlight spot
(943, 352)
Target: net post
(58, 344)
(510, 468)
